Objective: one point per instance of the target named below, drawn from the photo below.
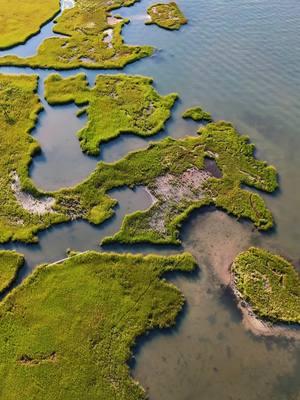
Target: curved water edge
(211, 352)
(237, 65)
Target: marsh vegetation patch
(111, 300)
(23, 209)
(166, 15)
(175, 171)
(19, 20)
(197, 114)
(10, 263)
(211, 170)
(79, 45)
(269, 284)
(116, 104)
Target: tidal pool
(240, 61)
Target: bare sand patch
(258, 326)
(108, 35)
(31, 204)
(66, 4)
(111, 20)
(169, 191)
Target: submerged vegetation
(166, 15)
(10, 263)
(116, 104)
(19, 20)
(197, 114)
(89, 37)
(269, 283)
(105, 302)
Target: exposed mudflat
(111, 20)
(170, 190)
(108, 37)
(31, 204)
(257, 325)
(65, 4)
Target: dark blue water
(240, 60)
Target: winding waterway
(240, 60)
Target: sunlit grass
(269, 283)
(19, 20)
(67, 332)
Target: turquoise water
(240, 60)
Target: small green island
(166, 15)
(269, 284)
(197, 114)
(19, 20)
(116, 104)
(75, 323)
(10, 264)
(88, 36)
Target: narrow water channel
(239, 60)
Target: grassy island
(91, 38)
(68, 331)
(166, 15)
(116, 104)
(19, 20)
(269, 284)
(197, 114)
(10, 263)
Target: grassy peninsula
(197, 114)
(10, 263)
(91, 39)
(212, 169)
(23, 209)
(116, 104)
(67, 332)
(166, 15)
(19, 20)
(269, 284)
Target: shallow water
(241, 61)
